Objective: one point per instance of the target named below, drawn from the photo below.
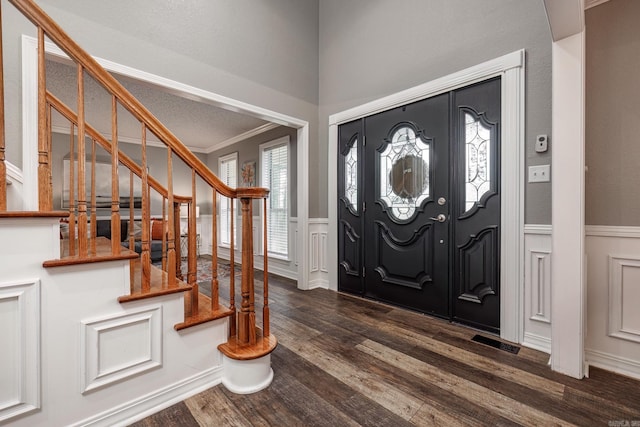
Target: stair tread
(159, 284)
(237, 351)
(34, 214)
(205, 312)
(101, 254)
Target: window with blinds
(228, 173)
(275, 177)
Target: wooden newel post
(247, 315)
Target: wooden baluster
(265, 307)
(232, 274)
(132, 232)
(192, 266)
(93, 222)
(82, 195)
(178, 249)
(146, 218)
(49, 149)
(171, 237)
(72, 191)
(247, 315)
(115, 182)
(164, 234)
(3, 166)
(45, 197)
(215, 305)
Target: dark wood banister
(53, 31)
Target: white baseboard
(537, 342)
(144, 406)
(620, 365)
(318, 283)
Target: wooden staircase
(246, 340)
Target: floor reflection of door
(419, 207)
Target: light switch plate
(539, 173)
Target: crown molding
(588, 4)
(242, 137)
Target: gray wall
(249, 150)
(306, 58)
(261, 52)
(613, 114)
(370, 49)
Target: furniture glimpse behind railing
(85, 142)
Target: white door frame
(30, 132)
(511, 68)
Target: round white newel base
(247, 376)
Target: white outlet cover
(540, 173)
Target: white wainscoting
(613, 292)
(537, 287)
(120, 346)
(318, 255)
(20, 343)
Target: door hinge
(363, 274)
(364, 140)
(364, 206)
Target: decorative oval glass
(404, 174)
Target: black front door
(419, 208)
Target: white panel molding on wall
(537, 286)
(20, 341)
(120, 346)
(613, 286)
(318, 253)
(624, 294)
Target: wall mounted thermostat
(541, 143)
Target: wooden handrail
(55, 33)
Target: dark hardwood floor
(344, 361)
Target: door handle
(440, 218)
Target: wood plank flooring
(345, 361)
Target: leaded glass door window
(351, 176)
(404, 173)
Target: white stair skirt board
(247, 376)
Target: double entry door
(419, 206)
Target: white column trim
(511, 68)
(568, 249)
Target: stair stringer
(97, 362)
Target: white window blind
(228, 173)
(275, 177)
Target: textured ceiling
(201, 127)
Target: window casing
(274, 165)
(228, 173)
